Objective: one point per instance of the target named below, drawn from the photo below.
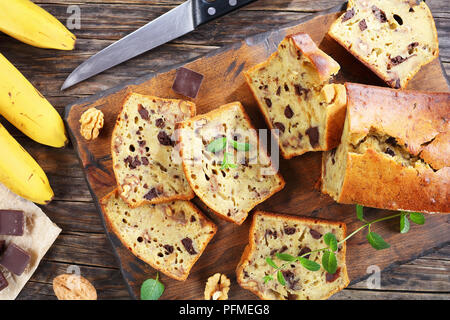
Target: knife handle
(207, 10)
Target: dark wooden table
(82, 242)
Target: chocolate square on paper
(187, 82)
(11, 222)
(15, 259)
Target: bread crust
(251, 246)
(326, 67)
(419, 122)
(187, 196)
(382, 76)
(115, 193)
(211, 115)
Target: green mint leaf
(417, 217)
(285, 257)
(330, 241)
(217, 145)
(329, 262)
(151, 289)
(308, 264)
(280, 278)
(271, 263)
(240, 146)
(404, 223)
(360, 212)
(377, 241)
(267, 278)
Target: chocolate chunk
(397, 60)
(315, 234)
(398, 19)
(303, 251)
(193, 219)
(2, 246)
(142, 143)
(187, 243)
(289, 276)
(283, 249)
(395, 83)
(268, 102)
(291, 296)
(187, 82)
(3, 281)
(299, 90)
(144, 161)
(143, 112)
(288, 112)
(169, 248)
(379, 14)
(15, 259)
(411, 46)
(286, 87)
(133, 163)
(331, 277)
(279, 126)
(289, 230)
(390, 152)
(362, 25)
(153, 193)
(164, 139)
(313, 134)
(11, 222)
(160, 123)
(392, 141)
(278, 91)
(348, 15)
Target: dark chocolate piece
(3, 281)
(15, 259)
(362, 25)
(187, 82)
(313, 134)
(11, 222)
(348, 15)
(2, 246)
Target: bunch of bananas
(23, 105)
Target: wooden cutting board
(224, 83)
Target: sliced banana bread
(393, 153)
(224, 163)
(275, 233)
(394, 38)
(145, 163)
(294, 95)
(168, 236)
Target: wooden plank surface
(83, 242)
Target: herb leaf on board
(377, 241)
(152, 289)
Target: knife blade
(171, 25)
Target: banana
(20, 172)
(27, 109)
(29, 23)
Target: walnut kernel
(217, 287)
(91, 122)
(73, 287)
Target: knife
(171, 25)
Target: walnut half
(73, 287)
(217, 287)
(91, 122)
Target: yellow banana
(29, 23)
(20, 173)
(27, 109)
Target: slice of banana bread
(224, 163)
(393, 153)
(275, 233)
(394, 38)
(145, 162)
(292, 91)
(168, 236)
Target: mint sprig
(152, 289)
(329, 261)
(220, 144)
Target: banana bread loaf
(394, 38)
(145, 163)
(394, 151)
(293, 93)
(224, 164)
(274, 233)
(168, 236)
